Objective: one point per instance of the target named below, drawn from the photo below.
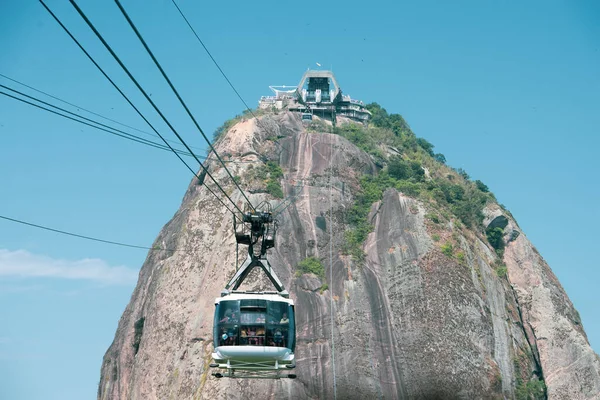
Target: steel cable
(182, 103)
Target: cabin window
(254, 322)
(227, 320)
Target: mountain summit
(410, 281)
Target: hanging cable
(152, 144)
(181, 101)
(85, 109)
(132, 78)
(136, 109)
(212, 58)
(18, 221)
(332, 304)
(289, 200)
(258, 121)
(118, 132)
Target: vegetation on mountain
(406, 163)
(269, 175)
(409, 164)
(311, 265)
(227, 125)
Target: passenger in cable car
(252, 339)
(225, 338)
(278, 338)
(284, 319)
(233, 318)
(260, 333)
(243, 336)
(227, 316)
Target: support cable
(18, 221)
(122, 134)
(212, 58)
(332, 305)
(181, 101)
(132, 78)
(185, 153)
(104, 128)
(221, 71)
(152, 144)
(85, 109)
(132, 105)
(289, 200)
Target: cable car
(254, 333)
(306, 116)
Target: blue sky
(508, 91)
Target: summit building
(318, 93)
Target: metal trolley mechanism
(254, 332)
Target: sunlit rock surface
(408, 322)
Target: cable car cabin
(307, 117)
(254, 336)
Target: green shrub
(318, 126)
(275, 171)
(425, 145)
(323, 288)
(447, 249)
(401, 169)
(501, 271)
(409, 188)
(274, 189)
(435, 237)
(225, 127)
(395, 122)
(482, 186)
(439, 157)
(463, 173)
(532, 390)
(495, 237)
(460, 256)
(433, 217)
(269, 173)
(398, 168)
(311, 265)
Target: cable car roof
(269, 296)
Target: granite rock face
(407, 322)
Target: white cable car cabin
(254, 332)
(254, 335)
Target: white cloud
(22, 263)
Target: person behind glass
(278, 338)
(224, 337)
(233, 318)
(252, 339)
(284, 319)
(227, 316)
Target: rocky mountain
(424, 293)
